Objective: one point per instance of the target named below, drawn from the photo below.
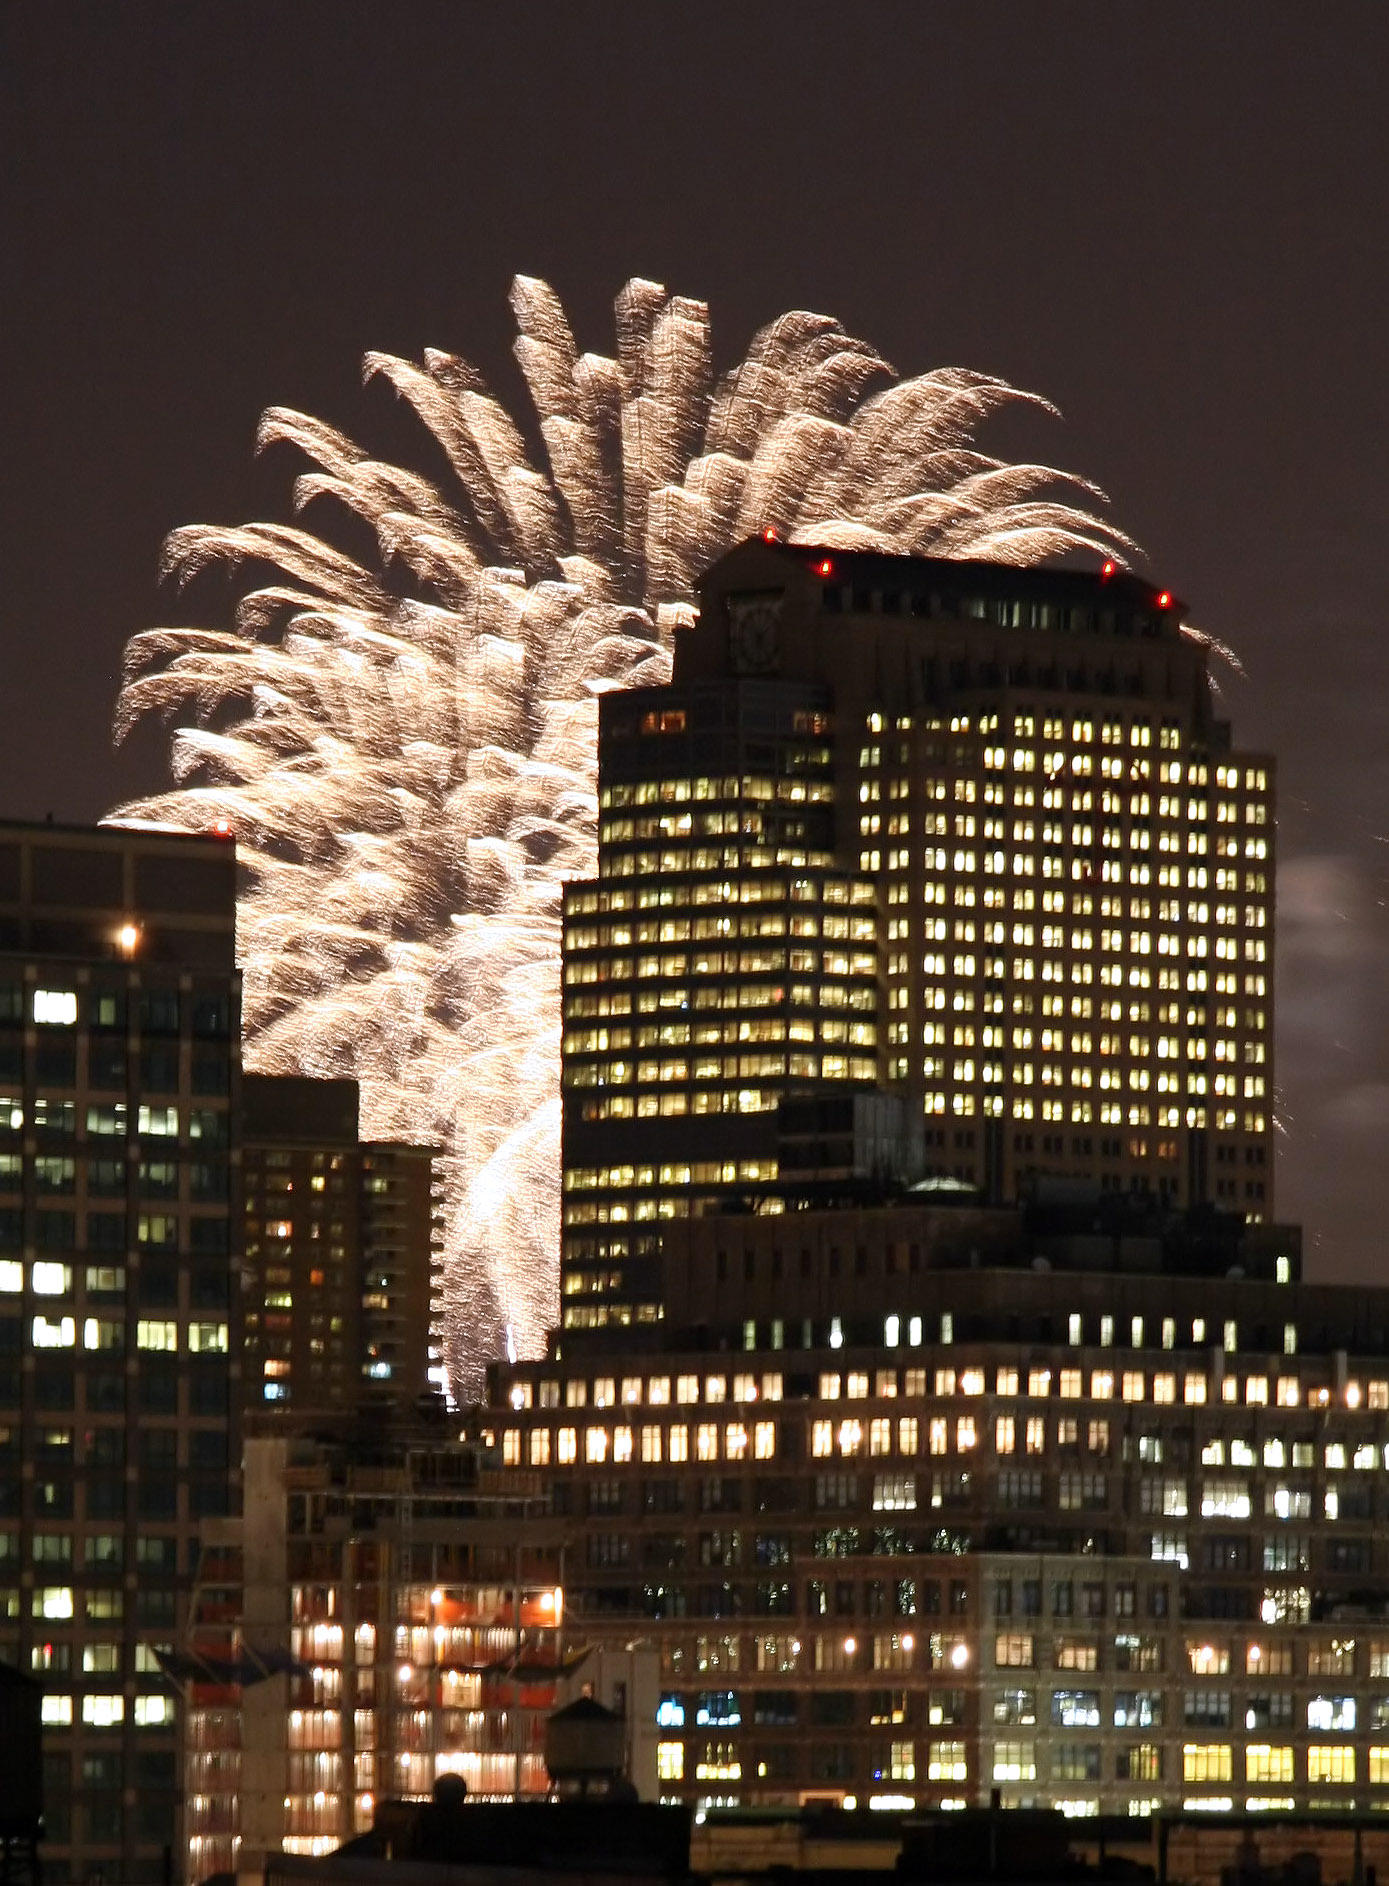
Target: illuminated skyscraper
(119, 1423)
(341, 1259)
(967, 833)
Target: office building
(967, 833)
(995, 1445)
(1081, 1502)
(373, 1620)
(341, 1259)
(119, 1414)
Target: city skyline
(1198, 303)
(403, 738)
(942, 1405)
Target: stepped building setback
(934, 1386)
(968, 834)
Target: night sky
(1169, 219)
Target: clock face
(754, 632)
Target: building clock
(754, 632)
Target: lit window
(946, 1761)
(57, 1007)
(58, 1332)
(1206, 1761)
(1331, 1762)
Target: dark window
(210, 1287)
(207, 1389)
(155, 1768)
(53, 1386)
(55, 1230)
(158, 1499)
(159, 1069)
(106, 1064)
(211, 1073)
(106, 1177)
(207, 1180)
(158, 1012)
(105, 1231)
(105, 1393)
(158, 1284)
(211, 1016)
(208, 1498)
(55, 1064)
(159, 1447)
(159, 1389)
(831, 1709)
(104, 1447)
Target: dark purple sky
(1171, 219)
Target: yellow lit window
(1206, 1761)
(1263, 1763)
(946, 1761)
(1331, 1761)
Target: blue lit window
(718, 1709)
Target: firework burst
(405, 744)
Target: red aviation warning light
(1108, 568)
(1164, 600)
(825, 567)
(769, 536)
(222, 828)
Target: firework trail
(405, 745)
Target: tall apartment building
(421, 1605)
(119, 1415)
(967, 832)
(341, 1257)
